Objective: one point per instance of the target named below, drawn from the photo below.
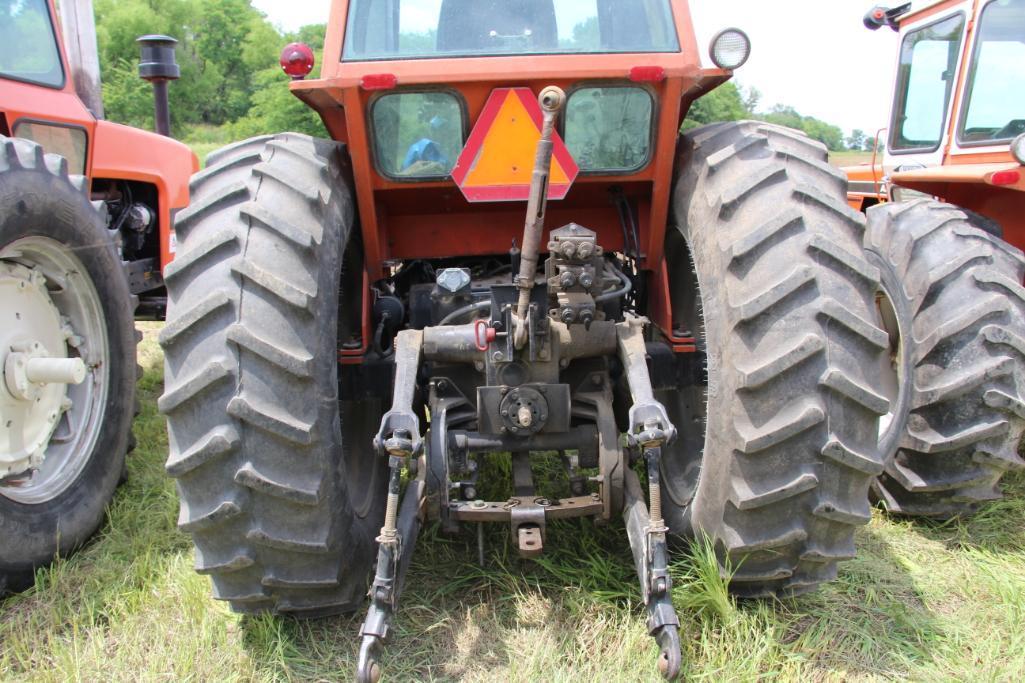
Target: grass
(922, 601)
(202, 149)
(204, 139)
(850, 158)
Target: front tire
(62, 287)
(766, 270)
(278, 483)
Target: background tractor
(85, 217)
(363, 330)
(948, 250)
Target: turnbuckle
(394, 551)
(383, 596)
(647, 534)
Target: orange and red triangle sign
(498, 160)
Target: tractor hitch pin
(552, 100)
(399, 439)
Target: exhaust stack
(158, 66)
(79, 29)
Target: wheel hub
(36, 368)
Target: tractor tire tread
(965, 334)
(793, 430)
(251, 447)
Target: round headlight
(1018, 148)
(730, 49)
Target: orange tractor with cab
(946, 219)
(507, 249)
(85, 230)
(957, 128)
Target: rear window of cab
(423, 29)
(418, 135)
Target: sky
(814, 55)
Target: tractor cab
(958, 109)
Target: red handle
(483, 335)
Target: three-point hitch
(532, 376)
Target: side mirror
(880, 16)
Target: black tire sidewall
(35, 202)
(891, 284)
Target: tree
(856, 140)
(222, 43)
(831, 136)
(725, 103)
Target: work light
(1018, 149)
(730, 49)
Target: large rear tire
(278, 483)
(766, 269)
(956, 308)
(63, 294)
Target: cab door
(37, 96)
(928, 71)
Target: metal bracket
(651, 560)
(400, 427)
(527, 522)
(393, 558)
(649, 421)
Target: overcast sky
(814, 55)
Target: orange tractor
(946, 220)
(85, 217)
(957, 129)
(360, 327)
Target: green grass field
(922, 602)
(850, 158)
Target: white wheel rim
(60, 309)
(895, 377)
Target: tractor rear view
(358, 326)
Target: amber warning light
(297, 60)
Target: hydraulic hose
(465, 310)
(616, 293)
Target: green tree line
(228, 53)
(730, 102)
(231, 82)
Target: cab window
(925, 81)
(609, 129)
(67, 141)
(28, 45)
(410, 29)
(995, 103)
(417, 135)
